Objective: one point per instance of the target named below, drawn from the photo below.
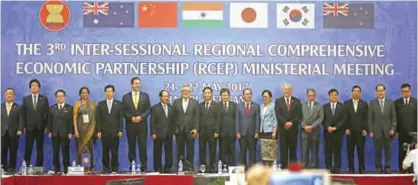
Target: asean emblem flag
(295, 15)
(157, 15)
(248, 15)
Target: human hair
(332, 91)
(247, 89)
(406, 85)
(60, 91)
(380, 85)
(109, 86)
(356, 87)
(287, 85)
(268, 92)
(135, 78)
(162, 91)
(14, 92)
(310, 90)
(224, 90)
(207, 88)
(81, 90)
(34, 81)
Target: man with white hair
(186, 120)
(288, 113)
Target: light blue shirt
(268, 118)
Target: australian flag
(116, 15)
(344, 15)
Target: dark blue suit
(247, 125)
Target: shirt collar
(185, 100)
(208, 102)
(111, 100)
(163, 104)
(383, 99)
(37, 95)
(61, 104)
(133, 93)
(10, 104)
(404, 99)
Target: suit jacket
(142, 110)
(227, 123)
(356, 121)
(313, 117)
(294, 114)
(209, 120)
(109, 124)
(60, 122)
(381, 124)
(337, 120)
(247, 123)
(35, 118)
(13, 122)
(162, 125)
(406, 115)
(268, 119)
(189, 120)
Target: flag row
(211, 15)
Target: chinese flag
(157, 15)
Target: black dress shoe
(361, 171)
(351, 172)
(387, 170)
(382, 171)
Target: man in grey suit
(186, 121)
(382, 127)
(312, 116)
(247, 127)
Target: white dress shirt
(185, 104)
(109, 104)
(406, 99)
(355, 104)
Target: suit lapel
(3, 107)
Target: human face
(165, 97)
(34, 88)
(207, 95)
(248, 95)
(406, 92)
(287, 91)
(356, 93)
(9, 95)
(109, 93)
(185, 92)
(311, 96)
(225, 96)
(84, 94)
(333, 97)
(266, 98)
(136, 85)
(380, 92)
(60, 97)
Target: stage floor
(173, 179)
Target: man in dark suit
(186, 118)
(136, 108)
(208, 128)
(162, 130)
(247, 127)
(406, 113)
(382, 127)
(356, 111)
(11, 129)
(35, 115)
(333, 124)
(109, 119)
(60, 129)
(227, 129)
(289, 114)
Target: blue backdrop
(394, 28)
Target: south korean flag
(295, 15)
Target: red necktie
(287, 104)
(247, 108)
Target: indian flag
(203, 15)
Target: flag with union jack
(105, 14)
(348, 15)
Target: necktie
(35, 102)
(247, 108)
(406, 102)
(333, 109)
(226, 107)
(207, 106)
(109, 106)
(287, 104)
(381, 106)
(8, 108)
(310, 106)
(136, 100)
(165, 110)
(60, 107)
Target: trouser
(228, 150)
(333, 150)
(288, 141)
(167, 141)
(185, 141)
(310, 145)
(207, 139)
(63, 143)
(404, 137)
(140, 137)
(110, 144)
(247, 143)
(31, 136)
(385, 144)
(355, 141)
(9, 144)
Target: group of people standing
(183, 121)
